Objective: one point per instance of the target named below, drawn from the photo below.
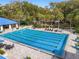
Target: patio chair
(77, 39)
(2, 45)
(55, 30)
(45, 28)
(76, 46)
(1, 31)
(8, 47)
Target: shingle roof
(5, 21)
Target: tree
(59, 17)
(70, 18)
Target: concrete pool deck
(21, 51)
(71, 52)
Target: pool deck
(71, 52)
(20, 51)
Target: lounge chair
(77, 39)
(1, 31)
(45, 28)
(8, 47)
(51, 29)
(76, 46)
(55, 30)
(2, 45)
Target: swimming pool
(51, 42)
(2, 57)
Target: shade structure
(5, 21)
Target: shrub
(2, 51)
(77, 29)
(37, 26)
(22, 22)
(28, 57)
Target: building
(7, 24)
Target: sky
(41, 3)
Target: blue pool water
(51, 42)
(1, 57)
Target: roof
(5, 21)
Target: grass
(2, 52)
